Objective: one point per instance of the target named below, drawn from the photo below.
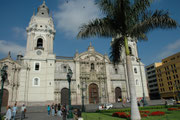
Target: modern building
(168, 76)
(40, 77)
(152, 81)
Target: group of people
(58, 110)
(11, 112)
(61, 111)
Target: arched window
(40, 43)
(135, 70)
(130, 50)
(36, 82)
(92, 66)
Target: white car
(106, 106)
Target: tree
(126, 19)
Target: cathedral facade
(40, 77)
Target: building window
(36, 82)
(40, 43)
(92, 66)
(174, 66)
(130, 50)
(135, 70)
(37, 65)
(64, 68)
(116, 71)
(177, 76)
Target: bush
(157, 113)
(172, 109)
(121, 115)
(144, 111)
(144, 115)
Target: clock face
(38, 52)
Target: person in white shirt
(8, 114)
(23, 111)
(14, 110)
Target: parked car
(105, 106)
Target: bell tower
(40, 33)
(37, 75)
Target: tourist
(23, 111)
(55, 109)
(52, 109)
(59, 110)
(79, 114)
(166, 103)
(138, 104)
(124, 102)
(8, 113)
(14, 110)
(48, 109)
(64, 112)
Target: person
(59, 110)
(8, 113)
(64, 112)
(14, 110)
(55, 109)
(75, 114)
(166, 103)
(23, 111)
(79, 114)
(128, 100)
(119, 99)
(138, 104)
(124, 102)
(52, 109)
(48, 109)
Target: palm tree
(126, 19)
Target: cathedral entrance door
(5, 97)
(118, 94)
(93, 94)
(65, 96)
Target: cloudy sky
(68, 15)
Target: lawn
(107, 115)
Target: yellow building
(168, 77)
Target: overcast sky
(68, 15)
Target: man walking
(23, 111)
(14, 110)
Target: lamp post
(69, 76)
(82, 88)
(3, 78)
(144, 98)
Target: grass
(107, 115)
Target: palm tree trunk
(135, 115)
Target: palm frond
(104, 27)
(140, 5)
(116, 50)
(158, 19)
(107, 7)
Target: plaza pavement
(39, 116)
(40, 112)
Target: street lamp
(82, 88)
(3, 78)
(69, 76)
(144, 98)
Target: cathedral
(40, 77)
